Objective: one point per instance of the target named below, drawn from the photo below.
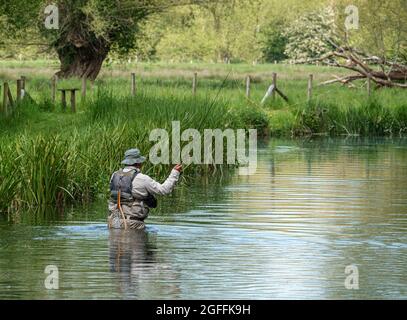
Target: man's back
(129, 210)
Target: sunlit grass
(51, 157)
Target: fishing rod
(211, 106)
(206, 114)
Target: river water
(312, 208)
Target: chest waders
(119, 206)
(120, 178)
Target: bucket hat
(133, 156)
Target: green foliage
(43, 169)
(306, 35)
(8, 179)
(223, 31)
(370, 117)
(212, 31)
(17, 15)
(48, 168)
(50, 157)
(382, 29)
(275, 42)
(253, 117)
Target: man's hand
(178, 167)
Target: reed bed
(49, 157)
(61, 165)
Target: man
(132, 192)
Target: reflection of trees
(353, 193)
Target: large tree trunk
(82, 61)
(80, 51)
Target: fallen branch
(343, 80)
(382, 72)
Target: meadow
(54, 157)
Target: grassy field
(48, 156)
(334, 109)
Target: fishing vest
(123, 182)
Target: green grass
(51, 157)
(168, 80)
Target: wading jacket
(142, 186)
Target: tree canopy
(197, 30)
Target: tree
(375, 48)
(381, 71)
(221, 31)
(88, 29)
(382, 28)
(306, 35)
(274, 42)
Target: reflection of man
(128, 248)
(139, 272)
(132, 192)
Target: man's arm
(156, 188)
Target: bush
(253, 117)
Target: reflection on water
(132, 255)
(289, 231)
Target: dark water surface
(312, 208)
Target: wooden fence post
(73, 102)
(10, 97)
(248, 86)
(53, 88)
(133, 84)
(309, 93)
(274, 84)
(194, 83)
(19, 88)
(5, 98)
(369, 83)
(23, 78)
(83, 91)
(63, 100)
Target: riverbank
(49, 156)
(53, 158)
(332, 110)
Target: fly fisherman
(132, 192)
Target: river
(289, 231)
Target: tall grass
(43, 169)
(75, 163)
(50, 157)
(368, 118)
(8, 178)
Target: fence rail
(8, 102)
